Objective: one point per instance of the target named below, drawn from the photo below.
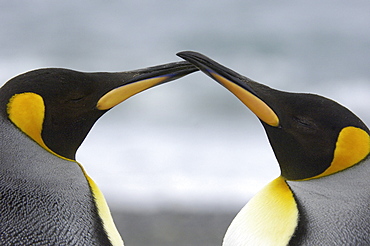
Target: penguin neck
(17, 144)
(26, 167)
(333, 206)
(350, 180)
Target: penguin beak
(143, 79)
(238, 84)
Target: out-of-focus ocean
(190, 144)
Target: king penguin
(46, 197)
(322, 196)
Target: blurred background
(177, 162)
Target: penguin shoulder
(334, 207)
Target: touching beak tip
(232, 82)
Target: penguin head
(57, 107)
(311, 136)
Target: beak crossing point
(235, 83)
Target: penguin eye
(302, 122)
(78, 94)
(77, 98)
(305, 123)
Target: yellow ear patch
(27, 111)
(120, 94)
(352, 146)
(256, 105)
(269, 218)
